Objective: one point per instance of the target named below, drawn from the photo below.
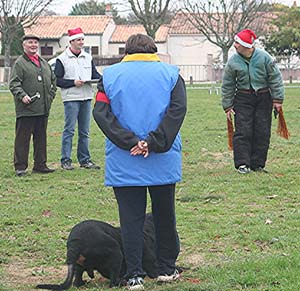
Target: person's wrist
(228, 109)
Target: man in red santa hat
(73, 68)
(252, 86)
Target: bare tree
(220, 20)
(16, 15)
(150, 13)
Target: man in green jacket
(33, 86)
(252, 86)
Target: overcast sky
(63, 7)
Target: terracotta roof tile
(182, 23)
(122, 33)
(54, 27)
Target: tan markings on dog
(80, 260)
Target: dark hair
(140, 43)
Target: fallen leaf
(194, 281)
(46, 213)
(268, 221)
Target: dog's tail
(181, 269)
(64, 286)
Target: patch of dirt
(18, 274)
(194, 260)
(213, 166)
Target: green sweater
(28, 79)
(260, 72)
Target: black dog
(96, 245)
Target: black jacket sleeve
(162, 138)
(159, 140)
(95, 74)
(110, 126)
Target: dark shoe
(89, 165)
(260, 170)
(136, 283)
(168, 278)
(21, 173)
(243, 169)
(67, 165)
(44, 170)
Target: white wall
(106, 37)
(191, 50)
(113, 48)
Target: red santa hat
(75, 33)
(246, 38)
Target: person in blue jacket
(140, 107)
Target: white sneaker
(136, 283)
(168, 278)
(243, 169)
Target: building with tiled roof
(54, 38)
(180, 24)
(189, 47)
(122, 33)
(178, 43)
(54, 27)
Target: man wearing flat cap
(33, 85)
(31, 36)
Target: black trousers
(251, 140)
(132, 207)
(25, 127)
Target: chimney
(108, 11)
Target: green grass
(221, 215)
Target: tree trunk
(225, 51)
(289, 71)
(7, 67)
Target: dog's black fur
(96, 245)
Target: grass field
(237, 232)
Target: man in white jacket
(74, 67)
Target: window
(95, 50)
(47, 51)
(86, 49)
(121, 50)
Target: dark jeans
(132, 207)
(251, 140)
(25, 127)
(80, 112)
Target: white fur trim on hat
(75, 36)
(243, 43)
